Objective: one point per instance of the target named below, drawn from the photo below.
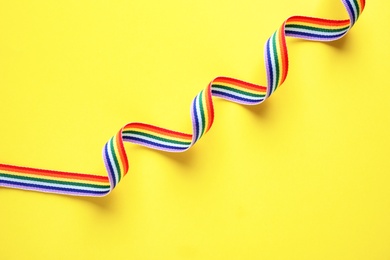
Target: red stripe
(283, 49)
(51, 173)
(317, 21)
(240, 83)
(157, 129)
(122, 152)
(362, 4)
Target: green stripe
(202, 113)
(114, 155)
(311, 28)
(156, 137)
(357, 8)
(238, 91)
(78, 184)
(276, 61)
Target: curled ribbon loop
(202, 113)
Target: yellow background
(306, 175)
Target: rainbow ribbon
(202, 113)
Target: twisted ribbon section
(202, 113)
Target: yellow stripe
(205, 110)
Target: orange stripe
(159, 130)
(318, 21)
(122, 152)
(58, 174)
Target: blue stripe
(269, 65)
(303, 34)
(352, 12)
(109, 165)
(223, 94)
(50, 188)
(196, 133)
(147, 142)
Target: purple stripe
(266, 58)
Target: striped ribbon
(202, 113)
